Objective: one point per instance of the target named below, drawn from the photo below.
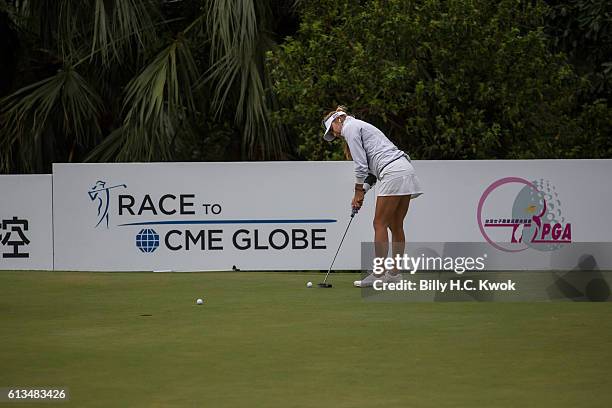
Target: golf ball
(199, 301)
(309, 285)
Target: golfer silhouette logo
(101, 195)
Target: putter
(324, 284)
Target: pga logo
(536, 220)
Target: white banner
(532, 214)
(291, 215)
(26, 236)
(577, 194)
(206, 216)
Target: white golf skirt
(399, 178)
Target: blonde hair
(341, 108)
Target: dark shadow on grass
(584, 283)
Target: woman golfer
(374, 154)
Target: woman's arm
(352, 134)
(358, 197)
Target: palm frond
(238, 46)
(156, 102)
(118, 26)
(133, 142)
(166, 83)
(74, 28)
(65, 102)
(39, 17)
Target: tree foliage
(151, 80)
(582, 29)
(136, 80)
(456, 79)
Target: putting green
(265, 340)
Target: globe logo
(147, 240)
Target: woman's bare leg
(398, 237)
(386, 207)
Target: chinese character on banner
(14, 236)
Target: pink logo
(536, 220)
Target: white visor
(327, 125)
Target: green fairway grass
(265, 340)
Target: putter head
(325, 285)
